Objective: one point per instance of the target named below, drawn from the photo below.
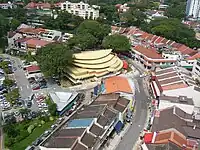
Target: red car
(36, 88)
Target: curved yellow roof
(80, 73)
(90, 55)
(107, 64)
(95, 61)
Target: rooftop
(180, 99)
(37, 42)
(179, 120)
(90, 55)
(33, 69)
(150, 53)
(62, 99)
(117, 84)
(170, 136)
(80, 123)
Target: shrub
(30, 129)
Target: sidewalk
(113, 143)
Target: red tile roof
(144, 35)
(117, 84)
(174, 86)
(158, 40)
(31, 30)
(173, 136)
(33, 68)
(35, 5)
(164, 41)
(22, 40)
(37, 42)
(193, 57)
(150, 53)
(150, 37)
(154, 39)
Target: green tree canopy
(133, 17)
(94, 28)
(52, 109)
(173, 29)
(54, 58)
(83, 42)
(117, 42)
(8, 82)
(64, 22)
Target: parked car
(36, 88)
(29, 104)
(37, 142)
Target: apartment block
(81, 9)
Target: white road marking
(136, 85)
(21, 88)
(27, 86)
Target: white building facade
(81, 9)
(196, 68)
(193, 9)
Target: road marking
(27, 86)
(136, 85)
(21, 88)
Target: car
(53, 127)
(30, 148)
(29, 104)
(34, 114)
(36, 88)
(17, 113)
(37, 142)
(14, 69)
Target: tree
(173, 29)
(14, 23)
(117, 42)
(94, 28)
(8, 82)
(134, 17)
(12, 96)
(54, 58)
(52, 109)
(64, 22)
(83, 42)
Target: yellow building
(93, 64)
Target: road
(130, 138)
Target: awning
(155, 89)
(148, 138)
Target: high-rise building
(193, 9)
(81, 9)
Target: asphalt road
(131, 137)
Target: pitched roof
(117, 84)
(172, 135)
(39, 4)
(177, 121)
(195, 56)
(150, 53)
(37, 42)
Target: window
(197, 69)
(69, 6)
(64, 6)
(72, 11)
(91, 14)
(76, 12)
(83, 6)
(198, 63)
(79, 6)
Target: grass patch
(21, 145)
